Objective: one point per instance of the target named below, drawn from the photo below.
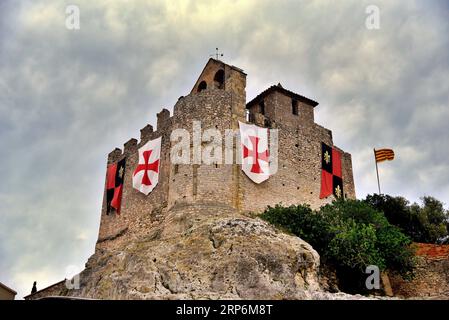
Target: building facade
(6, 293)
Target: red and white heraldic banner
(254, 152)
(146, 175)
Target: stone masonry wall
(138, 212)
(432, 274)
(298, 179)
(203, 183)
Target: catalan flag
(384, 154)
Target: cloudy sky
(68, 97)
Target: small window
(251, 118)
(202, 86)
(294, 107)
(219, 79)
(262, 107)
(267, 123)
(176, 169)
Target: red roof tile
(432, 251)
(286, 92)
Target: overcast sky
(68, 97)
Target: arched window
(219, 79)
(202, 86)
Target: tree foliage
(428, 223)
(350, 235)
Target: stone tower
(218, 100)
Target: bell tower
(219, 75)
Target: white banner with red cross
(254, 152)
(146, 174)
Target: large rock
(206, 256)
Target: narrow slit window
(262, 107)
(251, 118)
(294, 107)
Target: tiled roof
(432, 251)
(281, 89)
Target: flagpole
(377, 170)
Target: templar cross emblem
(255, 154)
(338, 191)
(327, 157)
(154, 166)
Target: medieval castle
(218, 100)
(190, 236)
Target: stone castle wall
(431, 275)
(221, 106)
(298, 179)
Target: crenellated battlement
(163, 119)
(130, 146)
(114, 155)
(146, 132)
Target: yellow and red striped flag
(384, 154)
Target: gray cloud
(69, 97)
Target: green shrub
(350, 235)
(355, 247)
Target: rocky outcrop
(204, 253)
(219, 255)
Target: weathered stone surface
(431, 274)
(220, 255)
(210, 254)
